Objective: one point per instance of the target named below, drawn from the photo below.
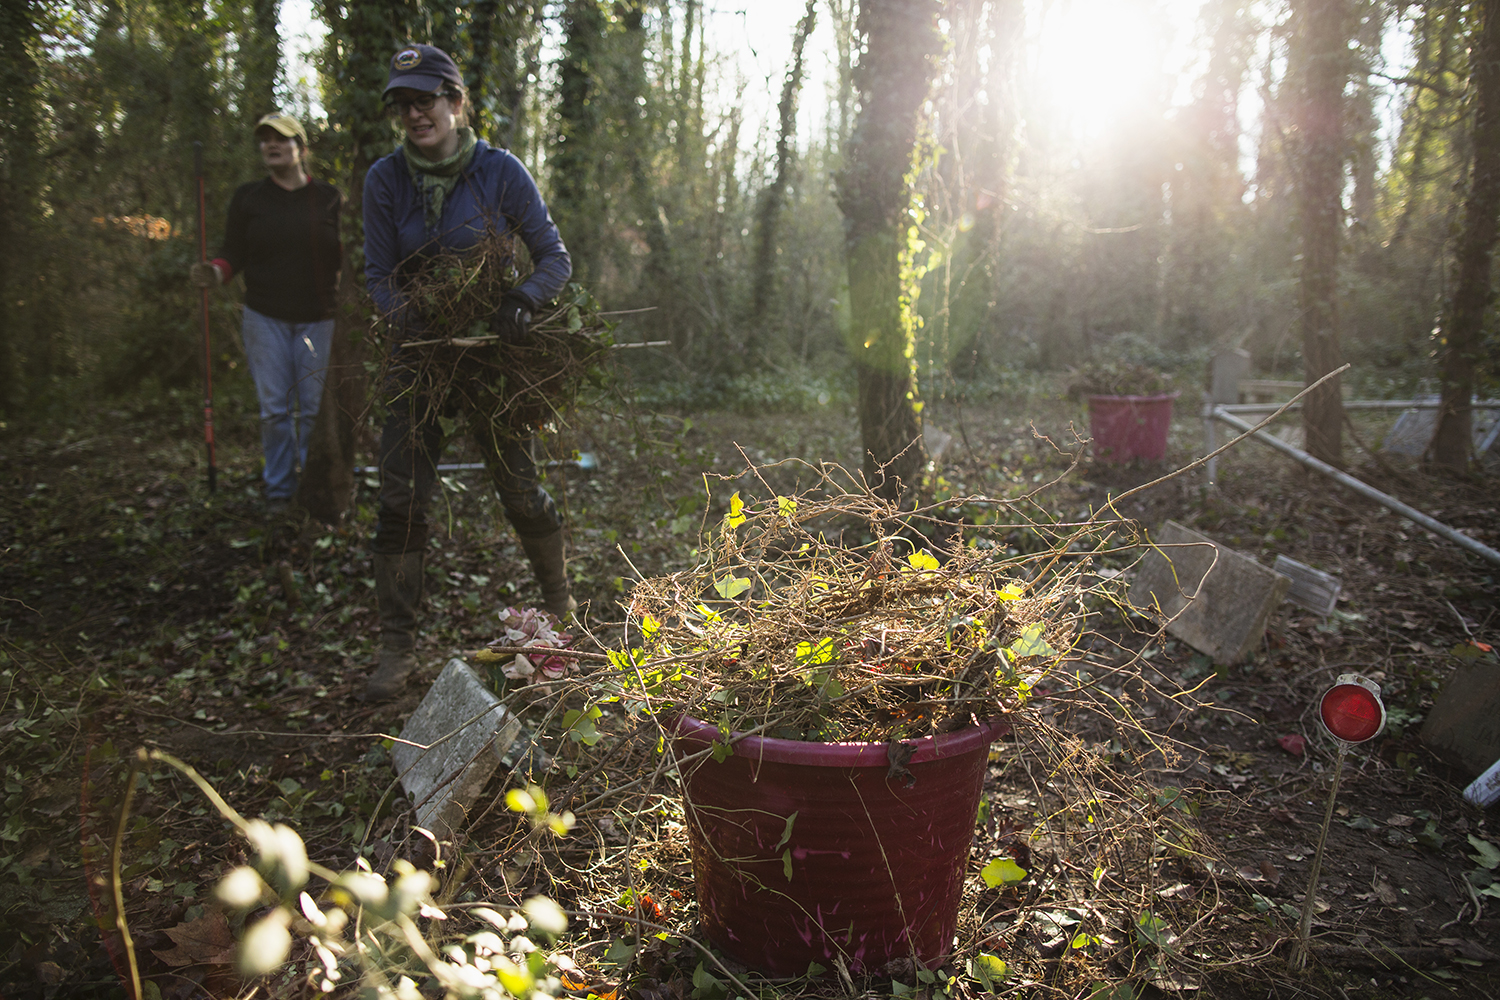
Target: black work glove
(512, 321)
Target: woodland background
(1310, 190)
(943, 232)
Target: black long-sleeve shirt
(287, 245)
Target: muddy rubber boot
(546, 555)
(398, 591)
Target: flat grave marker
(1312, 589)
(1217, 599)
(443, 780)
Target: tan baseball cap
(284, 124)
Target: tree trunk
(326, 489)
(894, 78)
(262, 58)
(763, 280)
(1452, 444)
(497, 85)
(1365, 125)
(576, 198)
(21, 160)
(842, 14)
(993, 144)
(1324, 69)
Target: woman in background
(283, 236)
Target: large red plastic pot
(807, 851)
(1130, 427)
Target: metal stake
(1304, 928)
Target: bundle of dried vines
(506, 387)
(784, 632)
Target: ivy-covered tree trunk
(1323, 70)
(261, 55)
(1463, 323)
(575, 199)
(893, 79)
(495, 78)
(20, 186)
(637, 145)
(763, 280)
(361, 41)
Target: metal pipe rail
(1222, 414)
(1359, 404)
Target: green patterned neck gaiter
(436, 179)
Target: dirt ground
(137, 611)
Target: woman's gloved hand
(512, 321)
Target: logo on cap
(407, 59)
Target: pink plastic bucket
(870, 868)
(1130, 427)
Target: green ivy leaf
(1031, 642)
(1489, 854)
(1152, 930)
(922, 560)
(989, 971)
(814, 655)
(1002, 871)
(731, 587)
(1081, 941)
(706, 986)
(579, 725)
(720, 752)
(786, 863)
(787, 833)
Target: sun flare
(1100, 60)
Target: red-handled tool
(208, 359)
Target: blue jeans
(289, 362)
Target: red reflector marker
(1351, 710)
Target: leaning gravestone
(1216, 600)
(443, 779)
(1464, 725)
(1311, 588)
(1225, 372)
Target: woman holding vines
(442, 191)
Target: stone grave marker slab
(444, 779)
(1217, 599)
(1464, 726)
(1225, 371)
(1412, 432)
(1311, 588)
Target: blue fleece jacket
(495, 187)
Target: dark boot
(546, 555)
(398, 590)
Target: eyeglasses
(399, 107)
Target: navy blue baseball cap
(422, 67)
